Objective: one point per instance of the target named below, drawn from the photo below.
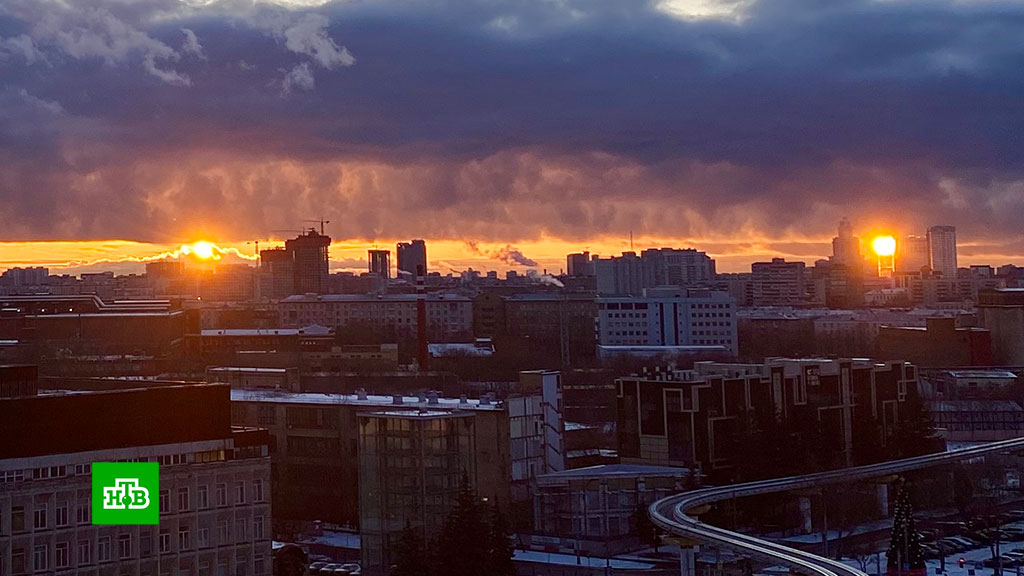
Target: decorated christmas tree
(904, 557)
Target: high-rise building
(942, 250)
(32, 276)
(380, 263)
(277, 273)
(309, 256)
(411, 256)
(846, 246)
(629, 274)
(579, 264)
(214, 483)
(912, 255)
(778, 283)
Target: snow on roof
(370, 400)
(613, 471)
(982, 374)
(312, 330)
(571, 559)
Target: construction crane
(321, 221)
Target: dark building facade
(411, 256)
(691, 417)
(940, 344)
(309, 256)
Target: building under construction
(301, 267)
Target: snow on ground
(572, 559)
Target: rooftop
(431, 297)
(357, 400)
(313, 330)
(982, 374)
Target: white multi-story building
(214, 484)
(449, 317)
(696, 318)
(942, 250)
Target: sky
(746, 128)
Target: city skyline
(455, 256)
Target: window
(124, 546)
(165, 541)
(145, 543)
(223, 533)
(39, 517)
(204, 537)
(184, 538)
(104, 549)
(240, 530)
(40, 557)
(18, 561)
(82, 469)
(257, 490)
(239, 493)
(165, 502)
(61, 557)
(257, 528)
(83, 514)
(222, 494)
(204, 496)
(259, 564)
(183, 499)
(60, 514)
(84, 552)
(17, 519)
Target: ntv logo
(121, 493)
(126, 493)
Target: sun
(203, 250)
(884, 245)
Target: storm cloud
(511, 120)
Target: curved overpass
(671, 513)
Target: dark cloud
(509, 120)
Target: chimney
(485, 400)
(422, 397)
(396, 399)
(360, 393)
(422, 353)
(432, 398)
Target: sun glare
(202, 249)
(884, 245)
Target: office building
(846, 246)
(555, 327)
(411, 256)
(912, 255)
(317, 438)
(1001, 312)
(411, 464)
(942, 250)
(309, 258)
(597, 503)
(693, 318)
(537, 429)
(214, 499)
(388, 316)
(380, 263)
(32, 276)
(630, 274)
(619, 274)
(688, 417)
(778, 283)
(277, 273)
(939, 344)
(88, 325)
(579, 264)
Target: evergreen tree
(411, 554)
(500, 549)
(914, 430)
(462, 547)
(904, 557)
